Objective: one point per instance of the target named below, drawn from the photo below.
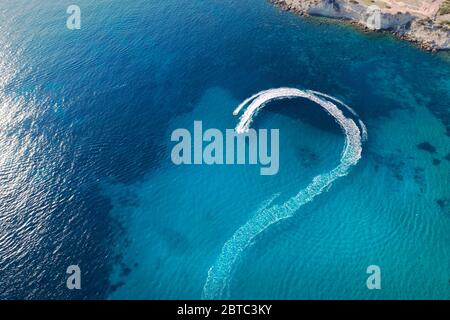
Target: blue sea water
(86, 176)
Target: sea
(87, 178)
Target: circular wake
(219, 274)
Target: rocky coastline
(423, 22)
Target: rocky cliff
(425, 22)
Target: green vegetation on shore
(445, 8)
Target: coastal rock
(425, 22)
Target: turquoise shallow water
(86, 169)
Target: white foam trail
(352, 111)
(365, 136)
(219, 274)
(244, 103)
(335, 100)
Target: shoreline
(427, 29)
